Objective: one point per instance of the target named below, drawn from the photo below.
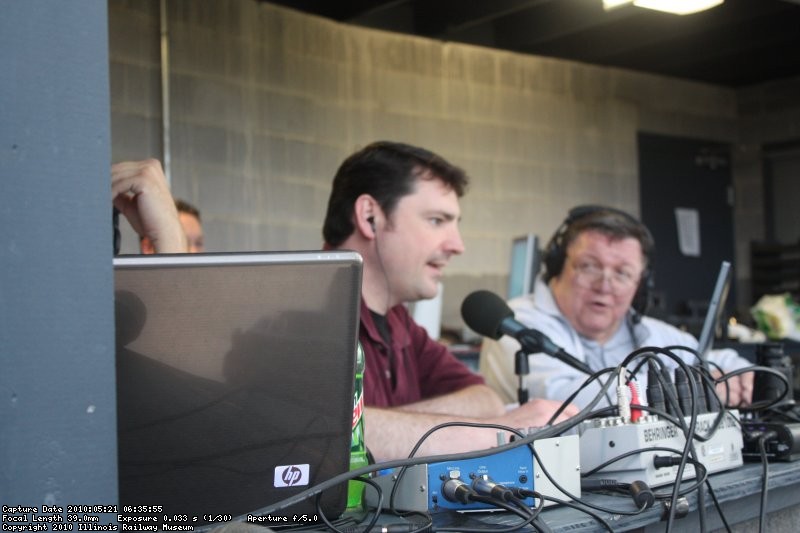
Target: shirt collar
(400, 334)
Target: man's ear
(367, 213)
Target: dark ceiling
(739, 43)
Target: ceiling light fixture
(676, 7)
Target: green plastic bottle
(358, 448)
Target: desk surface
(738, 492)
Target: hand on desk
(739, 389)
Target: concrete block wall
(768, 113)
(266, 102)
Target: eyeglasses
(589, 273)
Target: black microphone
(487, 314)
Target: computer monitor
(235, 379)
(716, 309)
(524, 267)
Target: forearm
(140, 192)
(392, 434)
(551, 379)
(171, 241)
(475, 401)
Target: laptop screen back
(716, 308)
(524, 265)
(234, 378)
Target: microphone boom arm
(534, 341)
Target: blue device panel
(511, 468)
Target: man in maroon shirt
(397, 205)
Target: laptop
(716, 308)
(235, 378)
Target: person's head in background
(397, 205)
(595, 264)
(191, 223)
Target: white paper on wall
(688, 222)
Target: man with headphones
(590, 301)
(397, 205)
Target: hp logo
(291, 475)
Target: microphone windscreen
(484, 312)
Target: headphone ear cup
(641, 300)
(555, 255)
(553, 259)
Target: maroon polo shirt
(413, 368)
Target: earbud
(371, 221)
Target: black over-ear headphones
(555, 255)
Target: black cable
(572, 496)
(698, 376)
(764, 404)
(546, 432)
(380, 263)
(580, 507)
(709, 386)
(708, 383)
(707, 380)
(519, 502)
(552, 430)
(762, 440)
(718, 506)
(700, 477)
(689, 434)
(699, 404)
(707, 372)
(524, 513)
(523, 439)
(430, 432)
(543, 433)
(661, 414)
(117, 236)
(424, 527)
(727, 387)
(540, 525)
(586, 382)
(725, 376)
(528, 517)
(775, 413)
(701, 504)
(425, 436)
(673, 401)
(375, 516)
